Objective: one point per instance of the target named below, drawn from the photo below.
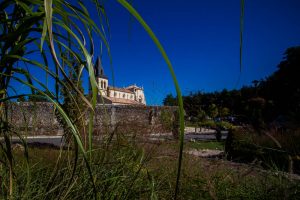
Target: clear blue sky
(201, 38)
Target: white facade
(113, 95)
(102, 85)
(138, 93)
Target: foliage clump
(272, 149)
(72, 103)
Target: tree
(255, 111)
(224, 111)
(72, 104)
(201, 115)
(284, 84)
(169, 100)
(39, 97)
(213, 111)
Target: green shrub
(273, 150)
(167, 119)
(208, 123)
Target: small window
(123, 95)
(104, 85)
(101, 84)
(115, 94)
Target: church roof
(98, 69)
(120, 89)
(134, 86)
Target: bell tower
(101, 79)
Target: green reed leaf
(138, 17)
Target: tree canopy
(265, 100)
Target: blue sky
(202, 41)
(201, 38)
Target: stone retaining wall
(40, 119)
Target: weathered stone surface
(40, 119)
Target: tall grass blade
(138, 17)
(44, 32)
(48, 17)
(48, 11)
(71, 126)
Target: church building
(131, 95)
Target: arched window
(104, 85)
(101, 84)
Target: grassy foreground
(130, 170)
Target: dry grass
(217, 179)
(201, 178)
